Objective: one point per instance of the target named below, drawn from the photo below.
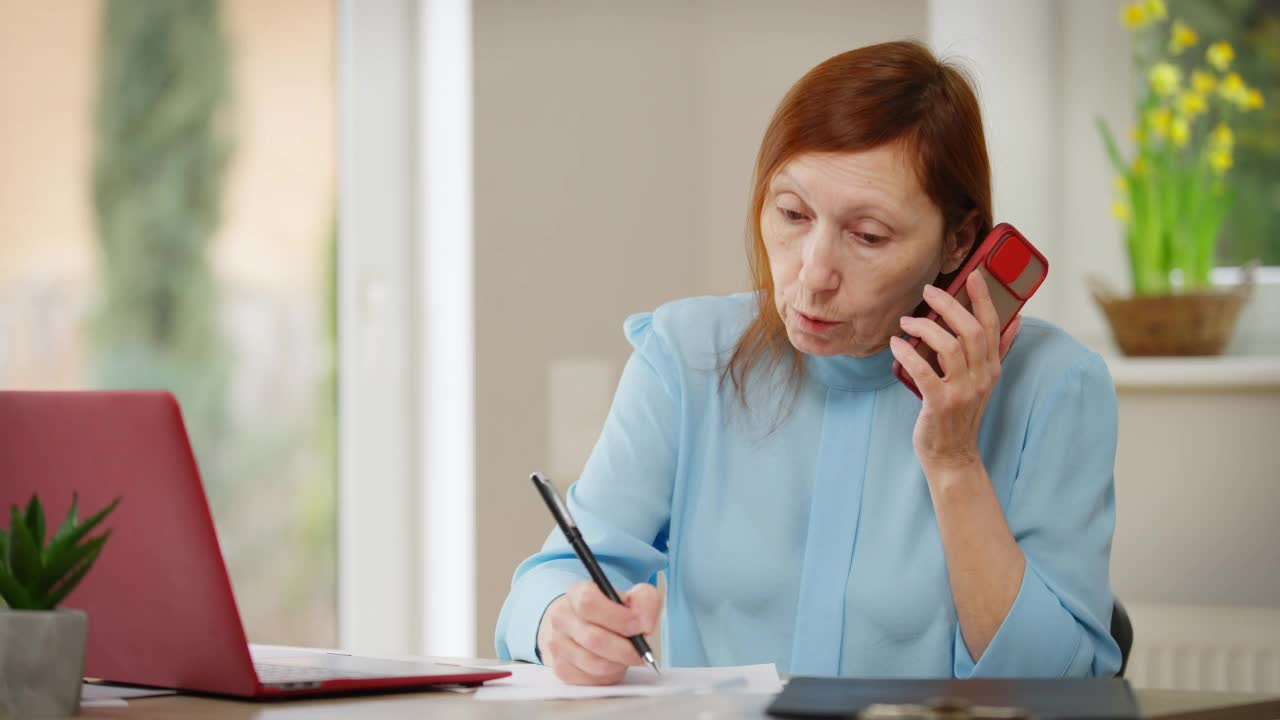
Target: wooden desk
(450, 705)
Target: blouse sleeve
(1061, 511)
(621, 502)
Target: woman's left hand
(946, 432)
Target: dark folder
(1075, 698)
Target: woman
(808, 509)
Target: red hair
(858, 100)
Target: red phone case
(1014, 269)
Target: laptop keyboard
(269, 674)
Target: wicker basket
(1199, 323)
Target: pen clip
(552, 498)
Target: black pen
(570, 529)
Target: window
(167, 215)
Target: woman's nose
(818, 269)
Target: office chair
(1122, 632)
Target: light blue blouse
(804, 535)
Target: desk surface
(449, 704)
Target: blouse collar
(846, 372)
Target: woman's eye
(791, 215)
(870, 239)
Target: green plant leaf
(15, 596)
(58, 565)
(1147, 251)
(1113, 150)
(35, 521)
(58, 594)
(68, 522)
(79, 531)
(4, 548)
(24, 558)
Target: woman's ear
(958, 243)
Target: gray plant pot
(41, 662)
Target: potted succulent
(1174, 192)
(42, 647)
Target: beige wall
(1198, 497)
(614, 144)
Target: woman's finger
(645, 600)
(578, 665)
(591, 605)
(1010, 334)
(951, 353)
(968, 330)
(603, 643)
(920, 371)
(985, 310)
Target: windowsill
(1231, 276)
(1191, 373)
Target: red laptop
(160, 607)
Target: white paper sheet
(536, 682)
(108, 703)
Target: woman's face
(852, 240)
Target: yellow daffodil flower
(1133, 16)
(1253, 99)
(1220, 161)
(1220, 55)
(1202, 82)
(1120, 211)
(1122, 184)
(1156, 9)
(1158, 120)
(1179, 132)
(1233, 90)
(1182, 37)
(1191, 104)
(1165, 78)
(1223, 138)
(1139, 166)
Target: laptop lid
(161, 611)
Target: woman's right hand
(584, 635)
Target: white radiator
(1205, 648)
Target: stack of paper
(536, 682)
(104, 695)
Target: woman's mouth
(811, 324)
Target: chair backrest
(1122, 632)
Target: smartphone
(1013, 268)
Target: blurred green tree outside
(164, 137)
(163, 142)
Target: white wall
(1012, 49)
(1095, 81)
